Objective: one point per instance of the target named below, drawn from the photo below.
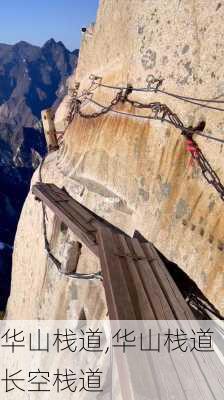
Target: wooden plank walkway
(137, 283)
(68, 211)
(138, 286)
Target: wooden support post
(72, 252)
(49, 129)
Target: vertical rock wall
(134, 172)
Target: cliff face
(31, 78)
(133, 172)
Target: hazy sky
(36, 21)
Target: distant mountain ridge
(32, 78)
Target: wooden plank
(175, 299)
(65, 202)
(61, 200)
(87, 234)
(159, 303)
(169, 385)
(137, 286)
(203, 366)
(77, 208)
(87, 238)
(136, 249)
(119, 301)
(176, 384)
(127, 366)
(80, 209)
(191, 378)
(140, 300)
(74, 215)
(172, 382)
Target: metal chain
(157, 107)
(104, 110)
(206, 169)
(76, 275)
(153, 85)
(208, 172)
(163, 113)
(75, 99)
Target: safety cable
(192, 100)
(154, 86)
(149, 117)
(162, 113)
(75, 275)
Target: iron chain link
(159, 111)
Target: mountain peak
(22, 43)
(52, 43)
(49, 43)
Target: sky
(36, 21)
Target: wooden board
(138, 286)
(137, 283)
(58, 201)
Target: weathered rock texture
(132, 172)
(31, 78)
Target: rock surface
(133, 172)
(31, 78)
